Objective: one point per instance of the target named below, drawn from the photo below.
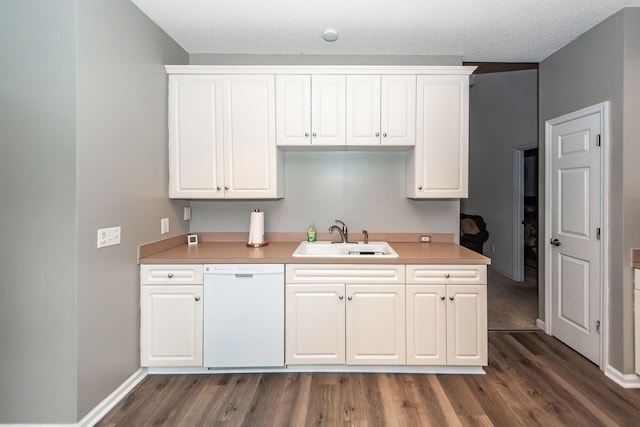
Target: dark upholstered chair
(473, 241)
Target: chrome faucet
(344, 232)
(365, 233)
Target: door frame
(518, 210)
(603, 109)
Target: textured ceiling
(476, 30)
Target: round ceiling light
(330, 35)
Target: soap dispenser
(311, 233)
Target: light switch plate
(108, 236)
(164, 226)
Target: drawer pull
(446, 275)
(170, 275)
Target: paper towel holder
(260, 244)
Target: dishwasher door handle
(244, 275)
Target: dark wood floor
(532, 380)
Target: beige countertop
(280, 252)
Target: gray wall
(37, 214)
(364, 189)
(83, 146)
(121, 180)
(602, 65)
(503, 114)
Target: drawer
(447, 274)
(171, 274)
(344, 273)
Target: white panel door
(426, 309)
(376, 325)
(328, 100)
(315, 324)
(467, 325)
(575, 246)
(293, 109)
(438, 167)
(636, 295)
(398, 110)
(195, 137)
(171, 325)
(363, 110)
(250, 152)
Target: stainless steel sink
(344, 250)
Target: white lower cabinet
(446, 320)
(171, 316)
(375, 325)
(338, 324)
(337, 314)
(315, 324)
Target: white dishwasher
(243, 315)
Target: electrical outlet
(187, 213)
(425, 238)
(164, 226)
(108, 236)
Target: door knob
(555, 242)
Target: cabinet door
(398, 110)
(328, 99)
(314, 324)
(251, 158)
(363, 110)
(171, 325)
(426, 325)
(438, 166)
(375, 325)
(293, 110)
(467, 325)
(195, 137)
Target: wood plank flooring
(532, 380)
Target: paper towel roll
(256, 228)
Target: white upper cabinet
(363, 110)
(381, 110)
(227, 123)
(310, 110)
(251, 157)
(195, 136)
(222, 137)
(438, 166)
(293, 110)
(328, 109)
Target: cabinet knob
(384, 135)
(349, 297)
(226, 187)
(442, 297)
(219, 188)
(341, 297)
(197, 298)
(446, 275)
(315, 134)
(377, 134)
(306, 134)
(452, 298)
(170, 275)
(420, 187)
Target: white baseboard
(623, 380)
(112, 400)
(541, 325)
